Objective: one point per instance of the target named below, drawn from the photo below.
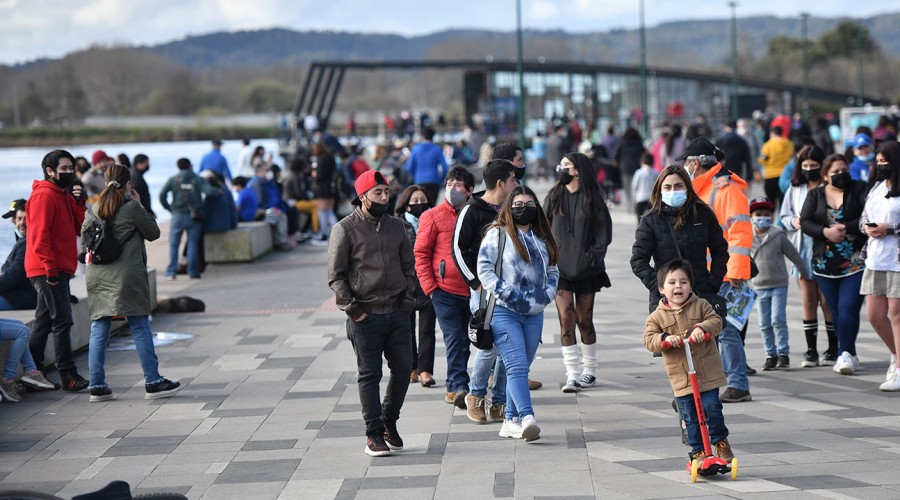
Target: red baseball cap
(368, 180)
(761, 203)
(98, 155)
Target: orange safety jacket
(725, 195)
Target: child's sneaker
(699, 456)
(511, 429)
(723, 450)
(162, 389)
(810, 359)
(829, 358)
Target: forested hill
(707, 41)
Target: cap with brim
(98, 156)
(761, 203)
(365, 182)
(699, 147)
(14, 207)
(862, 140)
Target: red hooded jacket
(434, 259)
(54, 221)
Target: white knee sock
(589, 359)
(570, 360)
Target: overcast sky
(31, 29)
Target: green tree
(266, 95)
(842, 41)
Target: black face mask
(565, 177)
(65, 179)
(417, 209)
(811, 175)
(519, 173)
(523, 216)
(841, 180)
(882, 171)
(376, 210)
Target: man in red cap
(93, 179)
(371, 269)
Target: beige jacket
(681, 322)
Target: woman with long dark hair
(525, 285)
(830, 215)
(121, 287)
(808, 176)
(325, 173)
(582, 228)
(881, 280)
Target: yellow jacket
(725, 195)
(774, 155)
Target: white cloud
(544, 9)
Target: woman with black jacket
(582, 228)
(830, 215)
(676, 214)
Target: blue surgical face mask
(20, 235)
(866, 158)
(762, 222)
(674, 198)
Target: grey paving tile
(575, 438)
(773, 447)
(261, 471)
(246, 412)
(819, 482)
(183, 361)
(329, 321)
(382, 483)
(281, 444)
(504, 484)
(133, 450)
(864, 432)
(342, 429)
(258, 340)
(407, 459)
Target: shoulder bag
(480, 334)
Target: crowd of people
(427, 243)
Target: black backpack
(100, 244)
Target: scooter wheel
(695, 469)
(734, 465)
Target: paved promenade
(270, 411)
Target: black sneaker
(810, 359)
(73, 382)
(163, 389)
(376, 447)
(769, 364)
(829, 358)
(392, 437)
(732, 395)
(784, 362)
(99, 394)
(460, 399)
(750, 371)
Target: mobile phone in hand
(871, 224)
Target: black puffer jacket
(653, 239)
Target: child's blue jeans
(715, 421)
(771, 304)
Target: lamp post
(645, 122)
(519, 72)
(734, 61)
(860, 100)
(803, 17)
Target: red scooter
(712, 464)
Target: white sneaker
(854, 360)
(571, 386)
(530, 430)
(892, 368)
(844, 364)
(892, 384)
(511, 429)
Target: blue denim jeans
(715, 421)
(771, 305)
(453, 315)
(178, 225)
(485, 362)
(517, 337)
(18, 333)
(844, 302)
(143, 343)
(734, 359)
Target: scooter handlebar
(666, 345)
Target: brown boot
(723, 450)
(700, 456)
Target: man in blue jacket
(216, 162)
(16, 291)
(426, 164)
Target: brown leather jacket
(681, 322)
(371, 267)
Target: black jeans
(423, 357)
(52, 315)
(377, 335)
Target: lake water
(19, 167)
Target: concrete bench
(81, 327)
(247, 242)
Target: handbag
(717, 302)
(480, 334)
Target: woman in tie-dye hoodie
(525, 285)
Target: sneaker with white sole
(9, 391)
(165, 388)
(847, 364)
(36, 380)
(511, 429)
(100, 394)
(587, 380)
(530, 429)
(892, 368)
(571, 386)
(892, 384)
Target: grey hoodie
(769, 250)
